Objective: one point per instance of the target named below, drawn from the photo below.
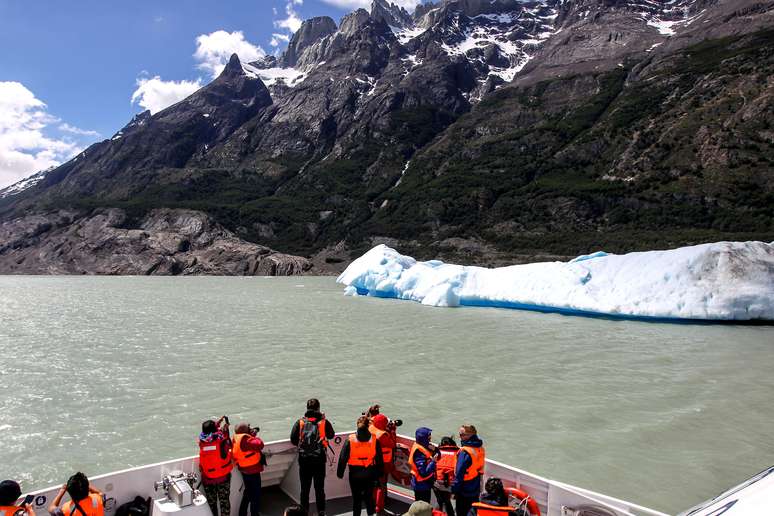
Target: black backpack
(138, 507)
(310, 442)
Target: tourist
(250, 461)
(363, 454)
(422, 465)
(494, 501)
(10, 491)
(85, 499)
(215, 464)
(420, 508)
(470, 467)
(445, 464)
(310, 434)
(378, 429)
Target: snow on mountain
(24, 184)
(724, 281)
(270, 76)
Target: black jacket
(361, 472)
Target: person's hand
(29, 511)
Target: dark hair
(9, 492)
(209, 427)
(294, 510)
(78, 487)
(494, 488)
(448, 441)
(313, 404)
(362, 422)
(373, 410)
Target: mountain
(493, 131)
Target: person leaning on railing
(85, 499)
(10, 491)
(470, 468)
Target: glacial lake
(104, 373)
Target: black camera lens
(398, 422)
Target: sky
(74, 72)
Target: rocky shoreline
(166, 242)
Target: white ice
(719, 281)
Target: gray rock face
(167, 242)
(311, 31)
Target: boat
(172, 487)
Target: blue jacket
(425, 465)
(471, 488)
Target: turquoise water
(101, 374)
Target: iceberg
(723, 281)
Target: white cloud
(156, 94)
(213, 50)
(278, 39)
(366, 4)
(76, 130)
(24, 148)
(293, 21)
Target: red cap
(380, 421)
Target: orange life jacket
(478, 458)
(210, 461)
(90, 506)
(320, 430)
(484, 509)
(361, 453)
(244, 459)
(386, 450)
(446, 464)
(10, 510)
(414, 471)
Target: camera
(397, 422)
(225, 418)
(254, 430)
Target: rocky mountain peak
(391, 14)
(310, 32)
(354, 21)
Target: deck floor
(274, 501)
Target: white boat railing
(554, 498)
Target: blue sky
(68, 69)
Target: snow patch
(289, 76)
(24, 184)
(723, 281)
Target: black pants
(308, 472)
(251, 495)
(423, 495)
(464, 503)
(444, 501)
(362, 492)
(219, 492)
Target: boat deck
(274, 501)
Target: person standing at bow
(422, 465)
(378, 429)
(469, 470)
(215, 464)
(249, 459)
(311, 434)
(363, 454)
(445, 464)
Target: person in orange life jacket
(312, 456)
(9, 493)
(378, 429)
(494, 501)
(470, 467)
(248, 456)
(422, 465)
(363, 454)
(85, 500)
(215, 464)
(445, 463)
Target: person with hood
(311, 434)
(470, 467)
(422, 465)
(249, 459)
(215, 464)
(85, 499)
(10, 491)
(378, 429)
(445, 464)
(363, 454)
